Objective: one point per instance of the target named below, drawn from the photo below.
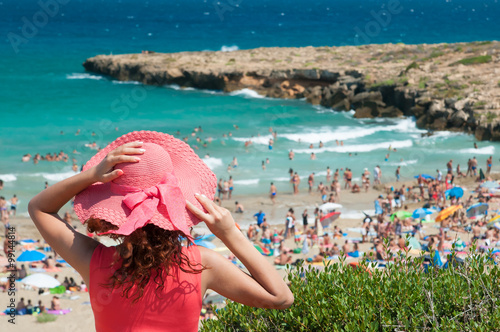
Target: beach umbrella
(206, 244)
(477, 209)
(329, 218)
(413, 243)
(31, 256)
(425, 176)
(208, 237)
(305, 247)
(447, 212)
(454, 192)
(214, 298)
(328, 207)
(41, 280)
(490, 185)
(493, 221)
(259, 248)
(421, 213)
(401, 215)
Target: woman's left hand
(103, 172)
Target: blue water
(44, 89)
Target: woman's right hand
(103, 172)
(218, 219)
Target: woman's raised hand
(103, 172)
(218, 219)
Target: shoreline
(437, 83)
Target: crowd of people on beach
(385, 229)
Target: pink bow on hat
(144, 203)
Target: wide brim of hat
(194, 176)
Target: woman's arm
(74, 247)
(264, 288)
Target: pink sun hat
(151, 191)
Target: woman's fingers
(207, 204)
(123, 159)
(198, 213)
(112, 175)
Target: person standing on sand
(439, 177)
(13, 205)
(310, 181)
(139, 189)
(273, 192)
(296, 182)
(469, 168)
(220, 187)
(304, 220)
(230, 186)
(473, 164)
(489, 163)
(377, 175)
(449, 166)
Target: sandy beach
(81, 319)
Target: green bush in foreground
(402, 297)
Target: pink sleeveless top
(175, 308)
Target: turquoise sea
(44, 89)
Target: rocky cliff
(445, 86)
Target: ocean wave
(247, 93)
(213, 162)
(180, 88)
(287, 179)
(343, 133)
(8, 177)
(83, 76)
(54, 176)
(126, 82)
(231, 48)
(255, 140)
(247, 182)
(402, 163)
(484, 150)
(360, 147)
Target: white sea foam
(8, 177)
(57, 176)
(484, 150)
(247, 93)
(231, 48)
(255, 140)
(83, 76)
(247, 182)
(402, 163)
(287, 179)
(127, 82)
(343, 133)
(212, 162)
(360, 147)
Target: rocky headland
(445, 86)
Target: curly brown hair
(147, 250)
